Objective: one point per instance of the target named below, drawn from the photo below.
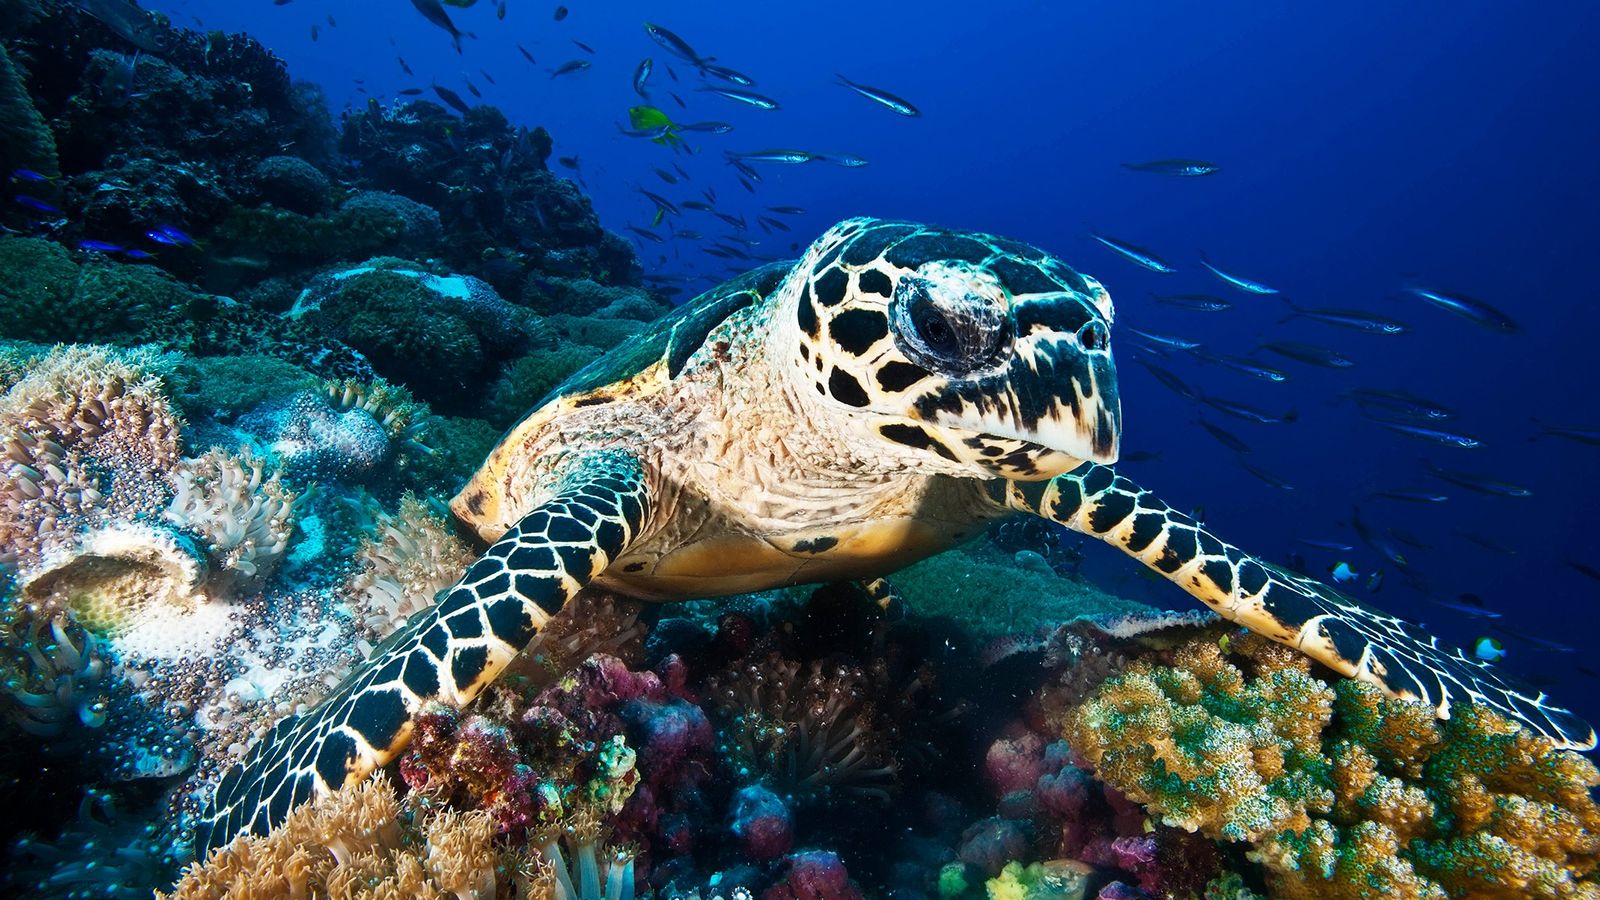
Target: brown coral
(410, 556)
(1342, 792)
(361, 842)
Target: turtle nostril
(1092, 336)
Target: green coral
(1057, 880)
(346, 234)
(25, 141)
(530, 379)
(48, 297)
(986, 589)
(1341, 791)
(602, 333)
(227, 386)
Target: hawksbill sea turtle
(881, 400)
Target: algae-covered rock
(25, 141)
(292, 183)
(40, 281)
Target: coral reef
(1340, 791)
(362, 842)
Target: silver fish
(847, 160)
(1472, 310)
(1353, 319)
(1247, 413)
(1480, 483)
(726, 74)
(1243, 284)
(1309, 353)
(567, 68)
(1135, 254)
(1170, 342)
(1241, 364)
(881, 97)
(1590, 436)
(1182, 168)
(674, 44)
(641, 75)
(748, 98)
(707, 127)
(791, 157)
(434, 13)
(1195, 302)
(1447, 438)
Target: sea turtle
(881, 400)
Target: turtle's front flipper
(1339, 631)
(449, 653)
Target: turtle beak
(1062, 387)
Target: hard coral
(1340, 791)
(361, 842)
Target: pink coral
(813, 875)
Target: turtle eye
(954, 333)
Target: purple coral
(761, 822)
(813, 875)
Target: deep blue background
(1362, 144)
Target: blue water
(1361, 145)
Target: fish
(1469, 605)
(747, 185)
(1266, 478)
(1475, 311)
(1407, 495)
(473, 89)
(1241, 364)
(681, 173)
(1320, 544)
(1590, 436)
(37, 205)
(560, 13)
(1224, 437)
(1436, 436)
(787, 210)
(1195, 302)
(584, 47)
(136, 253)
(166, 234)
(1489, 544)
(881, 97)
(435, 14)
(1170, 342)
(281, 2)
(137, 26)
(452, 98)
(790, 157)
(313, 31)
(1181, 168)
(707, 127)
(661, 202)
(1347, 318)
(748, 98)
(1309, 353)
(500, 10)
(526, 55)
(744, 168)
(1248, 413)
(1488, 649)
(847, 160)
(687, 235)
(567, 68)
(1480, 483)
(1400, 402)
(726, 74)
(1170, 381)
(641, 74)
(675, 45)
(736, 221)
(1584, 568)
(666, 176)
(647, 235)
(410, 92)
(678, 100)
(659, 131)
(1545, 643)
(487, 77)
(770, 222)
(28, 175)
(570, 162)
(403, 67)
(101, 246)
(1378, 545)
(1342, 573)
(1243, 284)
(696, 205)
(1135, 254)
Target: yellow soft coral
(361, 842)
(1341, 791)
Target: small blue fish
(1488, 649)
(1320, 544)
(1135, 254)
(1472, 310)
(101, 246)
(1468, 605)
(28, 175)
(166, 234)
(1243, 284)
(848, 160)
(136, 253)
(34, 203)
(1342, 573)
(1170, 342)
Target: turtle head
(955, 351)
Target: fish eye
(953, 334)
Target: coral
(292, 183)
(419, 229)
(1340, 791)
(103, 853)
(241, 511)
(85, 437)
(602, 333)
(1055, 880)
(441, 336)
(361, 842)
(813, 875)
(530, 379)
(25, 142)
(761, 823)
(40, 282)
(316, 438)
(585, 297)
(226, 386)
(407, 558)
(51, 671)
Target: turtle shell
(677, 335)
